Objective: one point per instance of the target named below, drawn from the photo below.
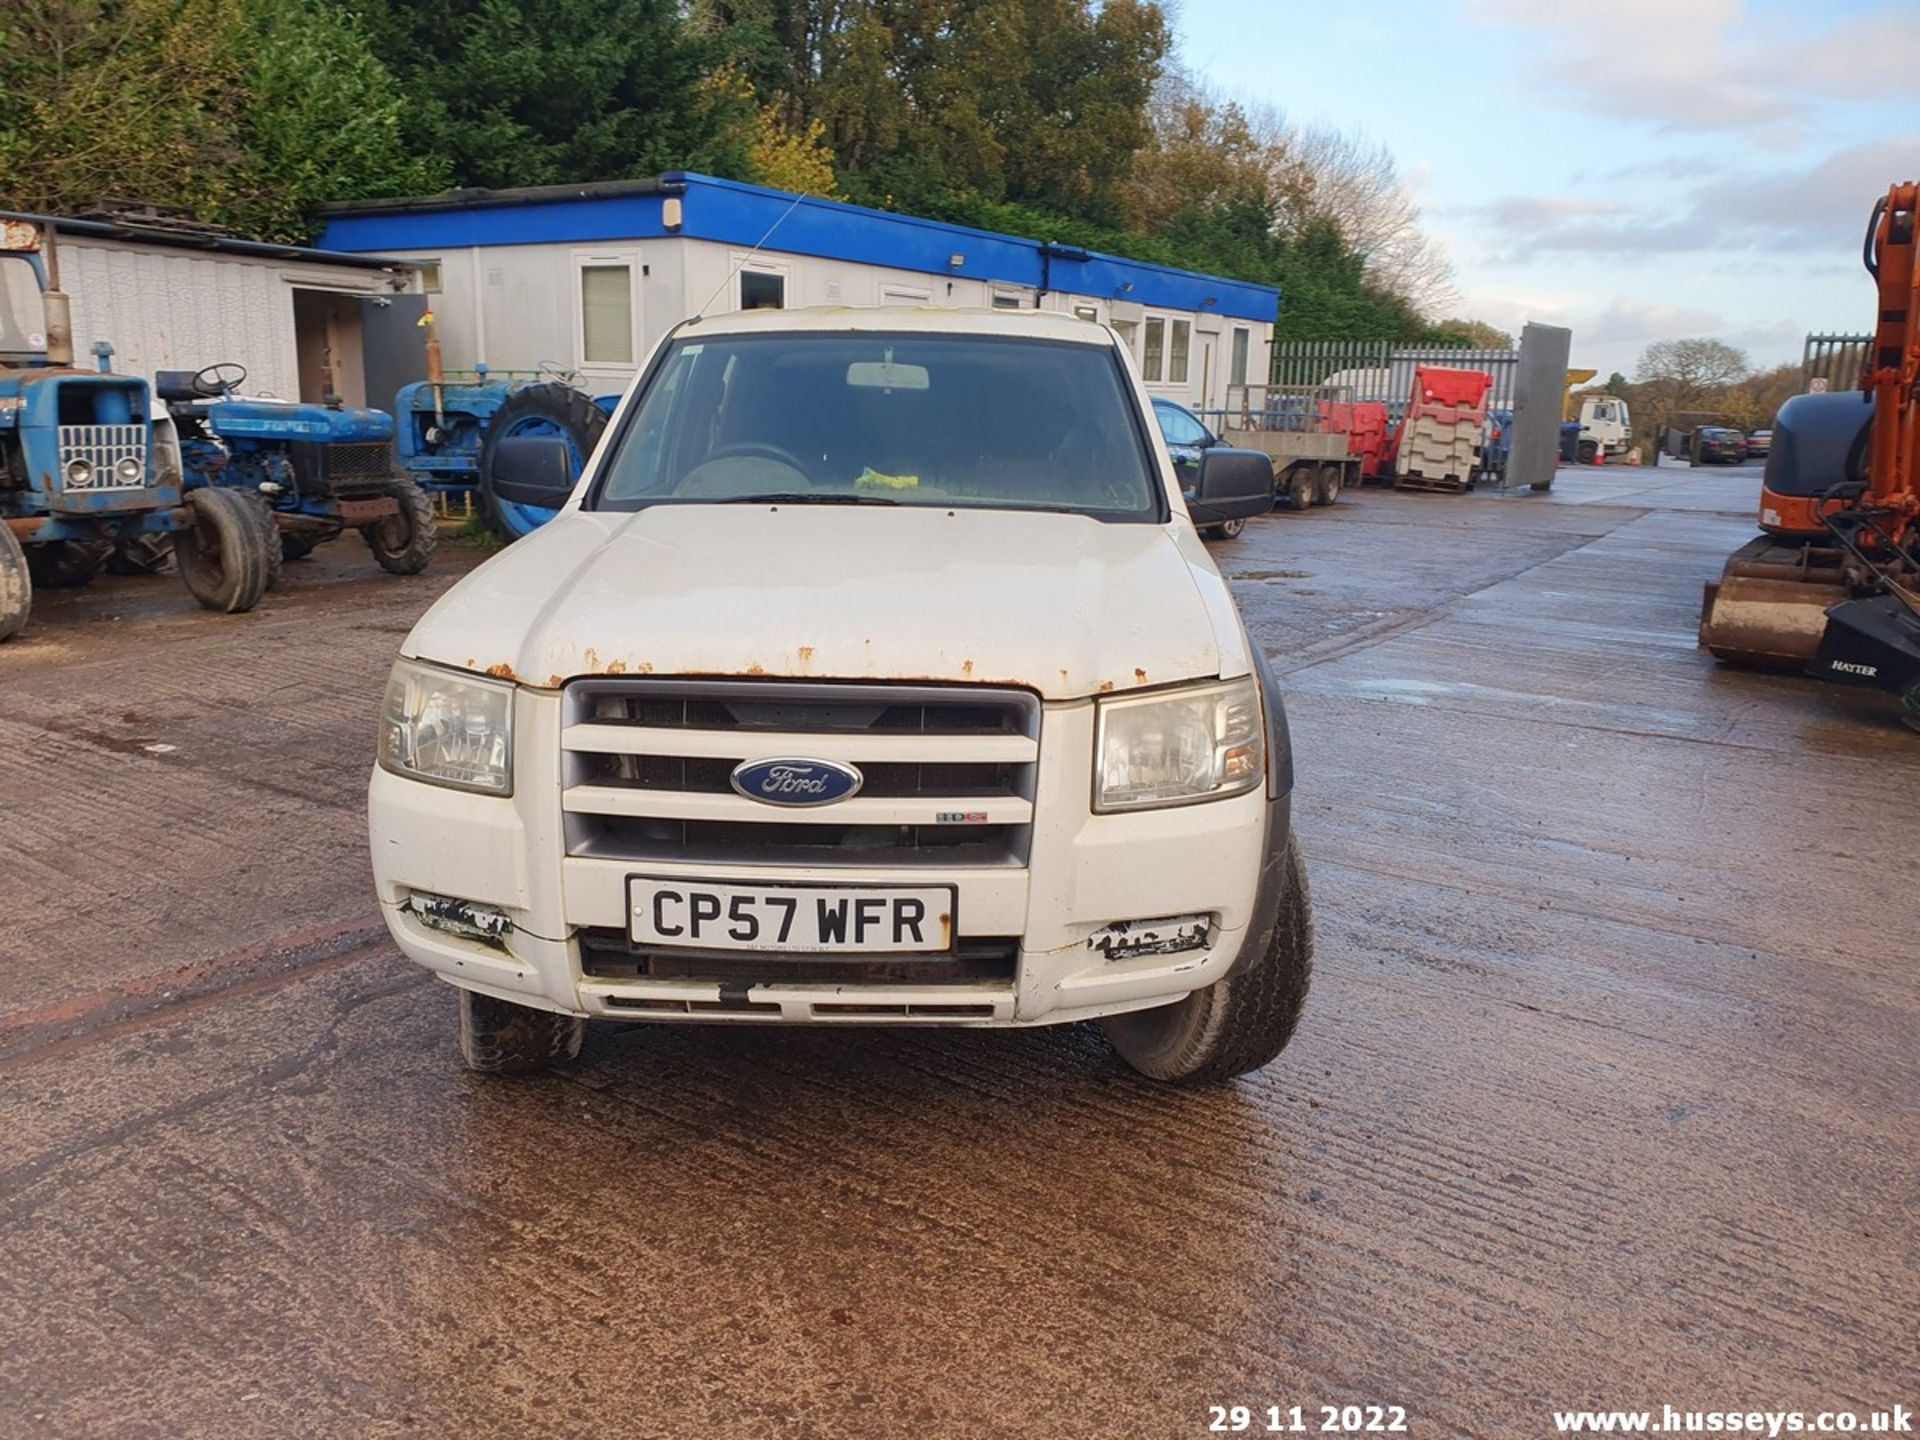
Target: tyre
(228, 555)
(142, 555)
(1588, 452)
(68, 564)
(275, 555)
(1238, 1023)
(550, 409)
(1225, 530)
(403, 543)
(16, 586)
(1301, 487)
(498, 1037)
(298, 546)
(1327, 489)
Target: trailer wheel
(226, 557)
(536, 410)
(1301, 487)
(68, 564)
(1332, 481)
(404, 543)
(498, 1037)
(16, 586)
(142, 555)
(1241, 1021)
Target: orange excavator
(1833, 585)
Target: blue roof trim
(733, 213)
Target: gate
(1836, 359)
(1383, 370)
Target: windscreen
(986, 422)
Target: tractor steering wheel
(221, 379)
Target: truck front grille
(102, 447)
(948, 772)
(348, 468)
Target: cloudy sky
(1637, 170)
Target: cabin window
(606, 314)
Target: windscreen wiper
(807, 497)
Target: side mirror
(1232, 485)
(532, 470)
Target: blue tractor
(314, 470)
(86, 466)
(450, 431)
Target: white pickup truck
(873, 673)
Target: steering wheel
(221, 379)
(761, 449)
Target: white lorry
(873, 673)
(1605, 427)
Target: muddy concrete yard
(1607, 1093)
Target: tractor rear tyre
(1332, 480)
(550, 409)
(68, 564)
(142, 555)
(404, 543)
(228, 555)
(1301, 487)
(1242, 1020)
(498, 1037)
(16, 586)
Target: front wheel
(230, 553)
(498, 1037)
(141, 555)
(1588, 452)
(16, 585)
(403, 543)
(1225, 530)
(1239, 1022)
(68, 564)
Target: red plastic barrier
(1458, 389)
(1365, 426)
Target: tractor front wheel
(67, 564)
(16, 585)
(403, 543)
(227, 556)
(142, 555)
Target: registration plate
(710, 915)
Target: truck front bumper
(1085, 873)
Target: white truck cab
(873, 673)
(1606, 426)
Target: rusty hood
(1063, 604)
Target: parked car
(1188, 440)
(1718, 445)
(872, 673)
(1759, 444)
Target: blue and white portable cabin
(583, 279)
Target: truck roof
(926, 319)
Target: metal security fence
(1380, 370)
(1834, 359)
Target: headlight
(1176, 748)
(79, 472)
(448, 728)
(128, 470)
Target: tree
(1476, 334)
(1358, 186)
(1680, 377)
(538, 92)
(207, 106)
